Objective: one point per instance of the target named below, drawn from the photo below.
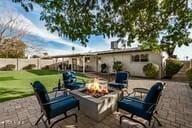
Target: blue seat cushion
(62, 106)
(62, 97)
(135, 107)
(76, 85)
(117, 85)
(121, 77)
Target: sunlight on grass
(16, 84)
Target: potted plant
(117, 66)
(103, 68)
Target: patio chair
(142, 108)
(121, 80)
(51, 108)
(70, 81)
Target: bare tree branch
(12, 26)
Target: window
(87, 59)
(140, 58)
(135, 58)
(144, 57)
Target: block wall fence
(20, 63)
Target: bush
(117, 66)
(172, 67)
(151, 70)
(9, 67)
(189, 74)
(46, 67)
(30, 66)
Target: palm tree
(73, 49)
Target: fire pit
(96, 100)
(96, 89)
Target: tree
(12, 27)
(12, 48)
(155, 24)
(35, 51)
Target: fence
(20, 63)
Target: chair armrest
(125, 91)
(133, 99)
(56, 101)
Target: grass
(16, 84)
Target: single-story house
(133, 60)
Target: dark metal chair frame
(152, 109)
(44, 113)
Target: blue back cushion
(69, 77)
(154, 93)
(41, 92)
(121, 77)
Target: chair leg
(78, 107)
(39, 119)
(63, 119)
(159, 123)
(45, 123)
(76, 120)
(123, 116)
(55, 93)
(132, 116)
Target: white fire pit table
(97, 108)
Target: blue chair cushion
(41, 91)
(117, 85)
(121, 77)
(70, 81)
(154, 92)
(62, 97)
(62, 106)
(134, 107)
(76, 85)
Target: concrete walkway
(175, 110)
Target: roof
(127, 50)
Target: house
(133, 60)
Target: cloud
(36, 29)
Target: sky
(55, 45)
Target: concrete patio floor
(175, 110)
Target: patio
(174, 110)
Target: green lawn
(16, 84)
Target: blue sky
(55, 45)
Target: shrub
(30, 66)
(46, 67)
(151, 70)
(117, 66)
(172, 67)
(189, 74)
(9, 67)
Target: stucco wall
(20, 63)
(134, 68)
